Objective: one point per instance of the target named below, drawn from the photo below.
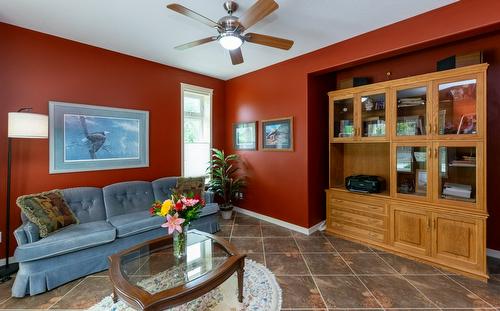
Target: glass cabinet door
(457, 173)
(411, 172)
(343, 118)
(411, 111)
(457, 113)
(373, 119)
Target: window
(196, 125)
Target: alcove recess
(360, 159)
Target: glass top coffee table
(149, 277)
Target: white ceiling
(147, 29)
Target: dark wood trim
(139, 298)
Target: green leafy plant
(225, 182)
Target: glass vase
(180, 242)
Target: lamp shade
(28, 125)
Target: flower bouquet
(180, 210)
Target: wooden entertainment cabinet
(426, 136)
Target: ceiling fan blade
(256, 12)
(195, 43)
(236, 56)
(271, 41)
(190, 13)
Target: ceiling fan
(231, 28)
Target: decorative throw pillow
(48, 210)
(195, 185)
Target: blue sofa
(112, 219)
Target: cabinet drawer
(357, 232)
(367, 207)
(359, 217)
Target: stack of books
(410, 102)
(457, 191)
(465, 162)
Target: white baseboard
(493, 253)
(307, 231)
(11, 260)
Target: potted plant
(224, 181)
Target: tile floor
(318, 272)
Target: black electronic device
(365, 183)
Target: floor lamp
(21, 124)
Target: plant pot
(227, 214)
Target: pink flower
(189, 202)
(173, 223)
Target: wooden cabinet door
(410, 229)
(459, 241)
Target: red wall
(36, 68)
(286, 185)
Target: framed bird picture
(90, 138)
(277, 134)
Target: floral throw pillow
(196, 185)
(48, 210)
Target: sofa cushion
(86, 202)
(163, 187)
(127, 197)
(48, 210)
(133, 223)
(67, 240)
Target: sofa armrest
(20, 235)
(209, 197)
(32, 232)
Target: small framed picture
(277, 134)
(245, 136)
(420, 181)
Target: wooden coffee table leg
(241, 272)
(114, 296)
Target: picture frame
(404, 159)
(277, 134)
(421, 181)
(410, 126)
(245, 136)
(90, 138)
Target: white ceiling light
(230, 41)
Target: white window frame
(202, 91)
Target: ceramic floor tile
(345, 246)
(299, 292)
(326, 264)
(246, 220)
(367, 264)
(247, 231)
(488, 291)
(407, 266)
(445, 293)
(396, 292)
(225, 231)
(275, 231)
(286, 264)
(5, 290)
(314, 245)
(41, 301)
(280, 245)
(86, 294)
(345, 292)
(248, 245)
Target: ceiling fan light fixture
(230, 41)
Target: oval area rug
(260, 290)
